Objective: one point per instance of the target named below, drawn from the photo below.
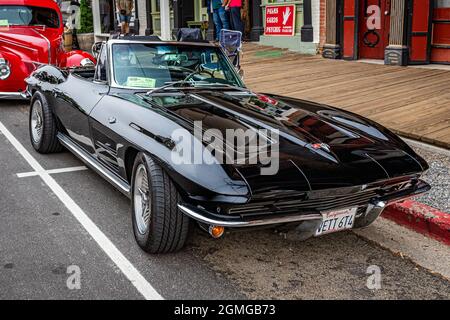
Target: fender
(76, 58)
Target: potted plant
(85, 35)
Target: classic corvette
(336, 170)
(31, 35)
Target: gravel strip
(438, 176)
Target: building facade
(147, 20)
(400, 32)
(306, 37)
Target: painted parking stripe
(52, 171)
(140, 283)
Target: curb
(421, 218)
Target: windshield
(153, 66)
(28, 16)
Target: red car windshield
(28, 16)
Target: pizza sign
(280, 20)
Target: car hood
(320, 147)
(27, 43)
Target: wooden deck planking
(413, 102)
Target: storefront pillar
(257, 21)
(137, 25)
(148, 11)
(307, 32)
(166, 32)
(332, 47)
(396, 52)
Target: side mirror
(96, 49)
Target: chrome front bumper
(374, 210)
(15, 95)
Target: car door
(105, 140)
(74, 101)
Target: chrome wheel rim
(142, 202)
(37, 121)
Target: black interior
(85, 73)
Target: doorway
(374, 24)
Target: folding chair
(231, 42)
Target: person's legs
(127, 24)
(217, 23)
(236, 19)
(122, 20)
(224, 18)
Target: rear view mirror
(96, 49)
(241, 73)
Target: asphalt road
(42, 241)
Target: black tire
(168, 227)
(48, 142)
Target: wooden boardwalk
(413, 102)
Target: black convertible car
(335, 170)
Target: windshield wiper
(221, 85)
(171, 85)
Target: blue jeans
(221, 21)
(236, 20)
(124, 18)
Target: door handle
(112, 120)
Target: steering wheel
(199, 70)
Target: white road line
(141, 284)
(52, 171)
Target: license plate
(335, 221)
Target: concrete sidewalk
(413, 102)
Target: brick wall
(323, 23)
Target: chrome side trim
(209, 218)
(13, 95)
(419, 188)
(117, 182)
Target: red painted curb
(421, 218)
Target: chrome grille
(292, 205)
(297, 202)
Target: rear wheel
(158, 225)
(42, 126)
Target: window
(442, 3)
(28, 16)
(149, 65)
(101, 70)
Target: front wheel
(158, 225)
(42, 126)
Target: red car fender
(20, 69)
(76, 58)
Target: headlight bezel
(5, 69)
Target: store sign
(280, 20)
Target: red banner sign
(280, 20)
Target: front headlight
(5, 70)
(86, 62)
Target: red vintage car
(31, 34)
